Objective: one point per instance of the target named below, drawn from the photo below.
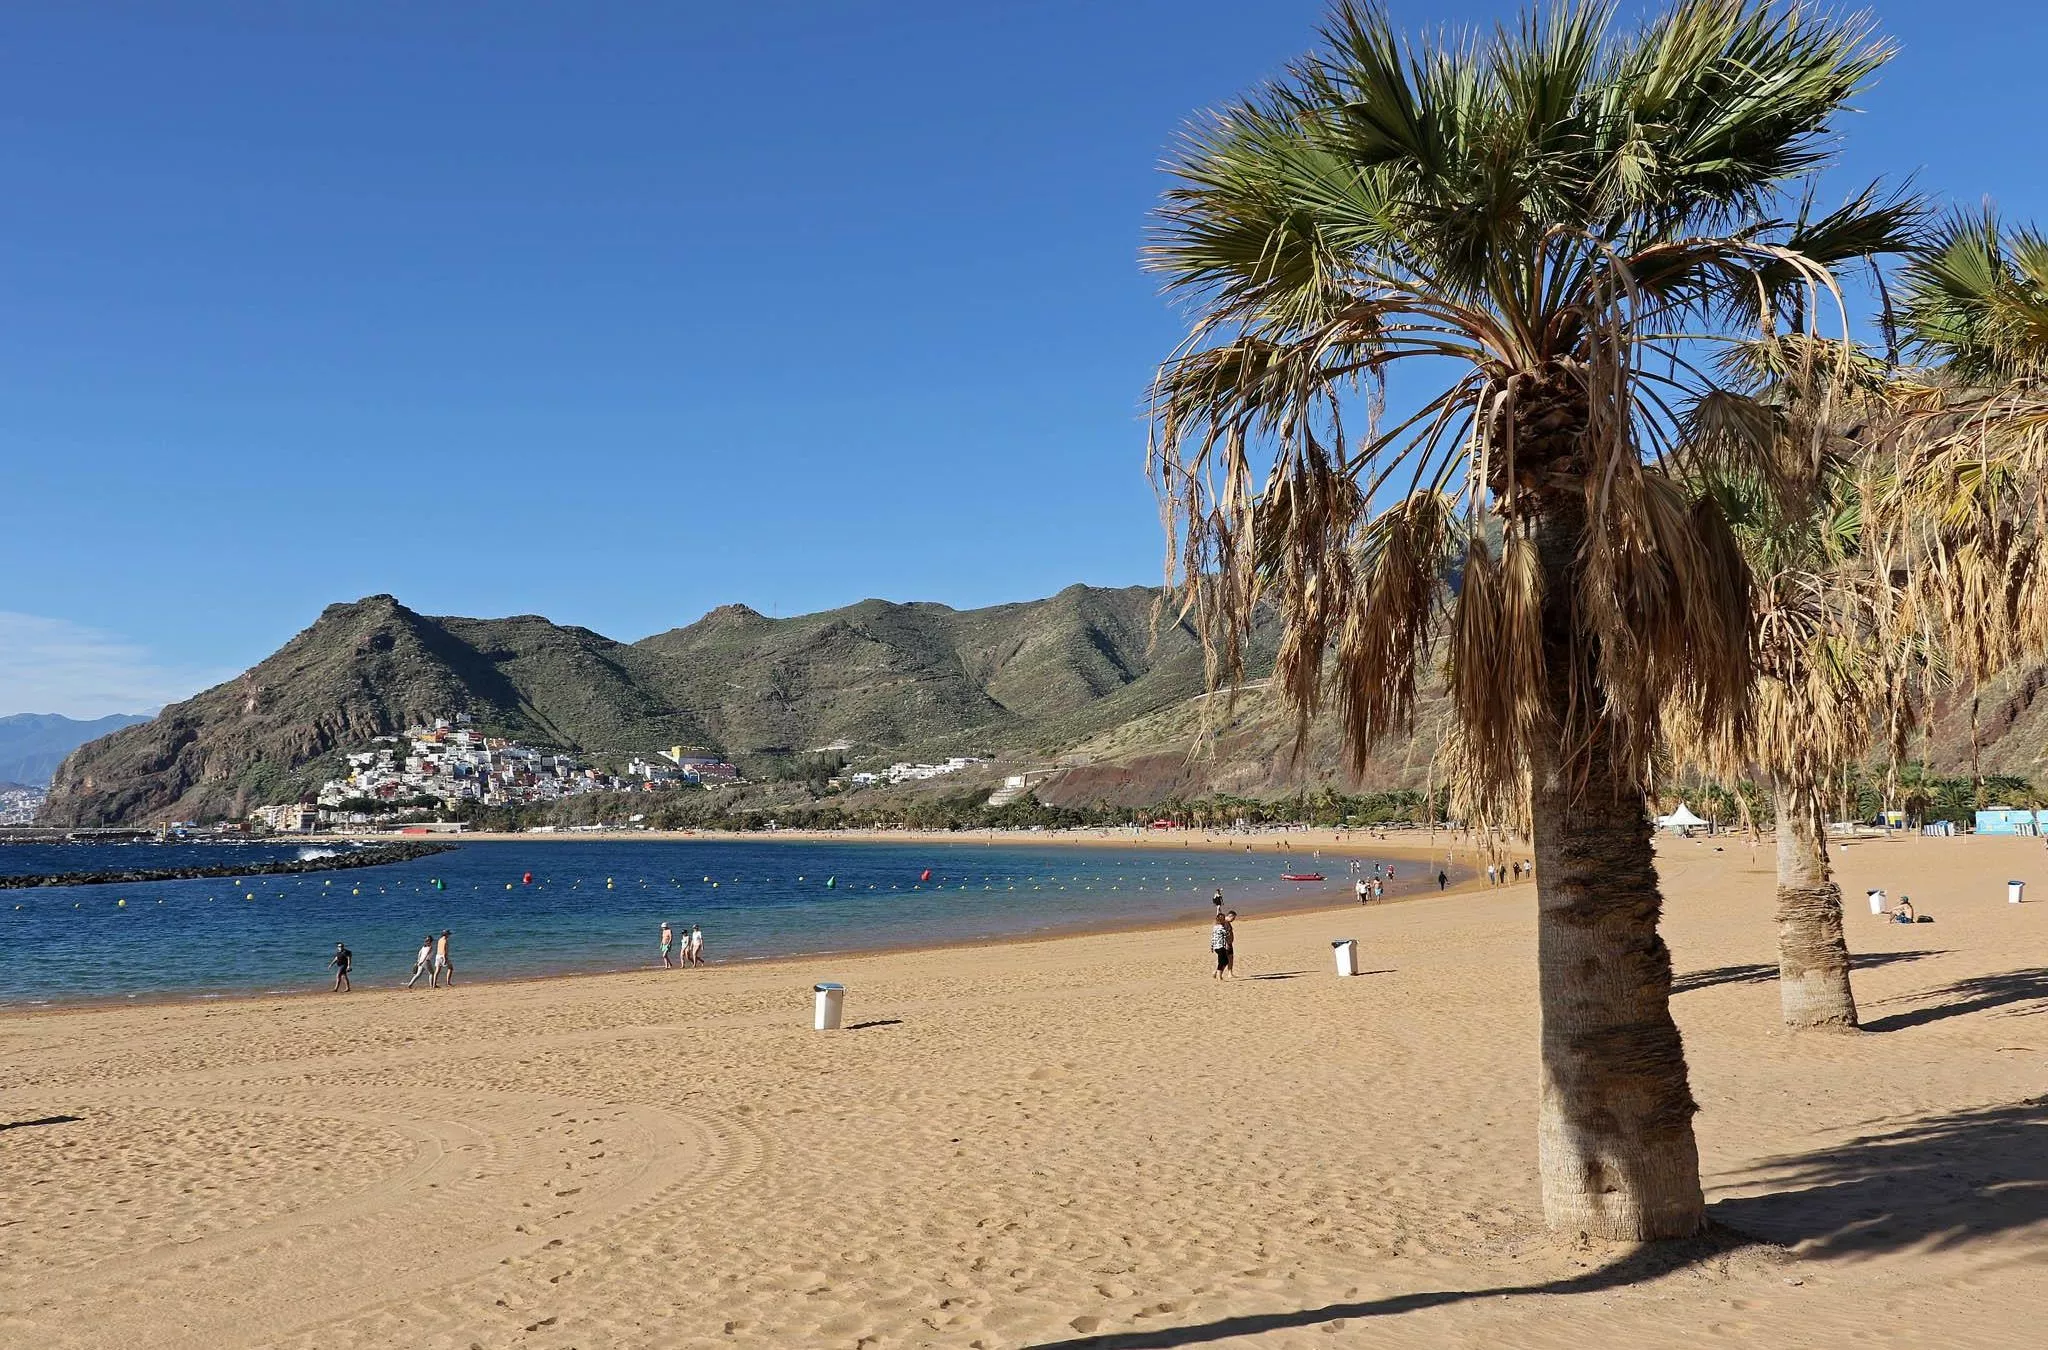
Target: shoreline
(1306, 839)
(1463, 882)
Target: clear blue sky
(618, 312)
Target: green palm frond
(1542, 214)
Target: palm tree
(1539, 218)
(1974, 477)
(1828, 668)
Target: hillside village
(451, 763)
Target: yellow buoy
(120, 904)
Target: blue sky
(615, 313)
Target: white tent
(1681, 819)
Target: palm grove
(1654, 505)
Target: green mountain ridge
(888, 678)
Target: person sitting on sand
(1904, 913)
(444, 962)
(668, 945)
(343, 959)
(423, 962)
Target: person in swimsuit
(444, 962)
(343, 959)
(423, 962)
(668, 945)
(696, 945)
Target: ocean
(593, 906)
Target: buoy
(925, 875)
(120, 904)
(508, 885)
(526, 879)
(830, 882)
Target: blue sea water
(591, 905)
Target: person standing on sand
(423, 962)
(343, 959)
(696, 949)
(1443, 879)
(1364, 889)
(1219, 945)
(668, 945)
(444, 962)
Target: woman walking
(1223, 942)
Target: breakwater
(375, 855)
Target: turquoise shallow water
(595, 905)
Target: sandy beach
(1078, 1142)
(1394, 843)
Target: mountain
(32, 745)
(885, 678)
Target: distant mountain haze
(884, 677)
(32, 745)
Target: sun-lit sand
(1047, 1142)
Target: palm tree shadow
(1938, 1182)
(1943, 1181)
(1979, 993)
(1760, 972)
(1643, 1263)
(31, 1124)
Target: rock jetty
(376, 855)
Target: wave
(308, 854)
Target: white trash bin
(831, 1007)
(1876, 902)
(1347, 955)
(2012, 891)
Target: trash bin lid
(1342, 942)
(821, 988)
(2015, 883)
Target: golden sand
(1041, 1143)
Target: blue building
(2011, 820)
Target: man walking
(444, 962)
(423, 962)
(343, 959)
(668, 945)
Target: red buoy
(925, 875)
(526, 880)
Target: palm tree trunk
(1813, 960)
(1614, 1129)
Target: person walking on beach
(668, 945)
(343, 959)
(1443, 879)
(1220, 941)
(423, 962)
(1365, 889)
(696, 945)
(444, 962)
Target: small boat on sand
(1301, 876)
